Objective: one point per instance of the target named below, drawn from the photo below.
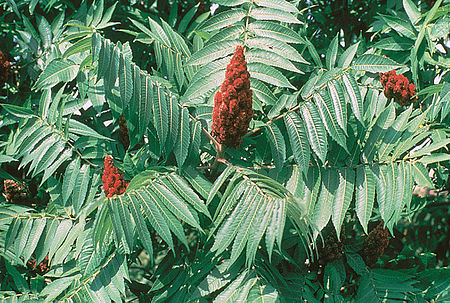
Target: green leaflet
(262, 92)
(277, 144)
(374, 64)
(54, 289)
(421, 176)
(394, 43)
(69, 178)
(313, 181)
(182, 145)
(45, 31)
(144, 105)
(394, 134)
(188, 194)
(152, 212)
(278, 47)
(276, 31)
(412, 11)
(230, 227)
(209, 77)
(270, 58)
(160, 113)
(265, 13)
(332, 53)
(316, 132)
(229, 33)
(174, 121)
(326, 110)
(343, 197)
(378, 131)
(33, 239)
(81, 187)
(298, 139)
(323, 209)
(213, 51)
(57, 71)
(347, 56)
(340, 108)
(278, 4)
(401, 26)
(128, 225)
(125, 80)
(120, 235)
(365, 194)
(141, 226)
(177, 207)
(248, 225)
(268, 74)
(223, 19)
(354, 93)
(219, 182)
(61, 232)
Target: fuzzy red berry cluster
(374, 244)
(397, 87)
(41, 268)
(233, 103)
(4, 68)
(15, 192)
(113, 182)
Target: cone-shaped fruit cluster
(233, 103)
(113, 182)
(397, 87)
(374, 244)
(123, 131)
(4, 68)
(332, 248)
(41, 268)
(16, 192)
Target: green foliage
(279, 219)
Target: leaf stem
(219, 158)
(246, 22)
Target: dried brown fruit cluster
(41, 268)
(123, 131)
(397, 87)
(16, 192)
(374, 244)
(113, 182)
(5, 68)
(332, 249)
(233, 103)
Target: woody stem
(219, 158)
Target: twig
(218, 159)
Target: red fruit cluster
(41, 268)
(374, 244)
(397, 87)
(233, 103)
(5, 69)
(15, 192)
(113, 182)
